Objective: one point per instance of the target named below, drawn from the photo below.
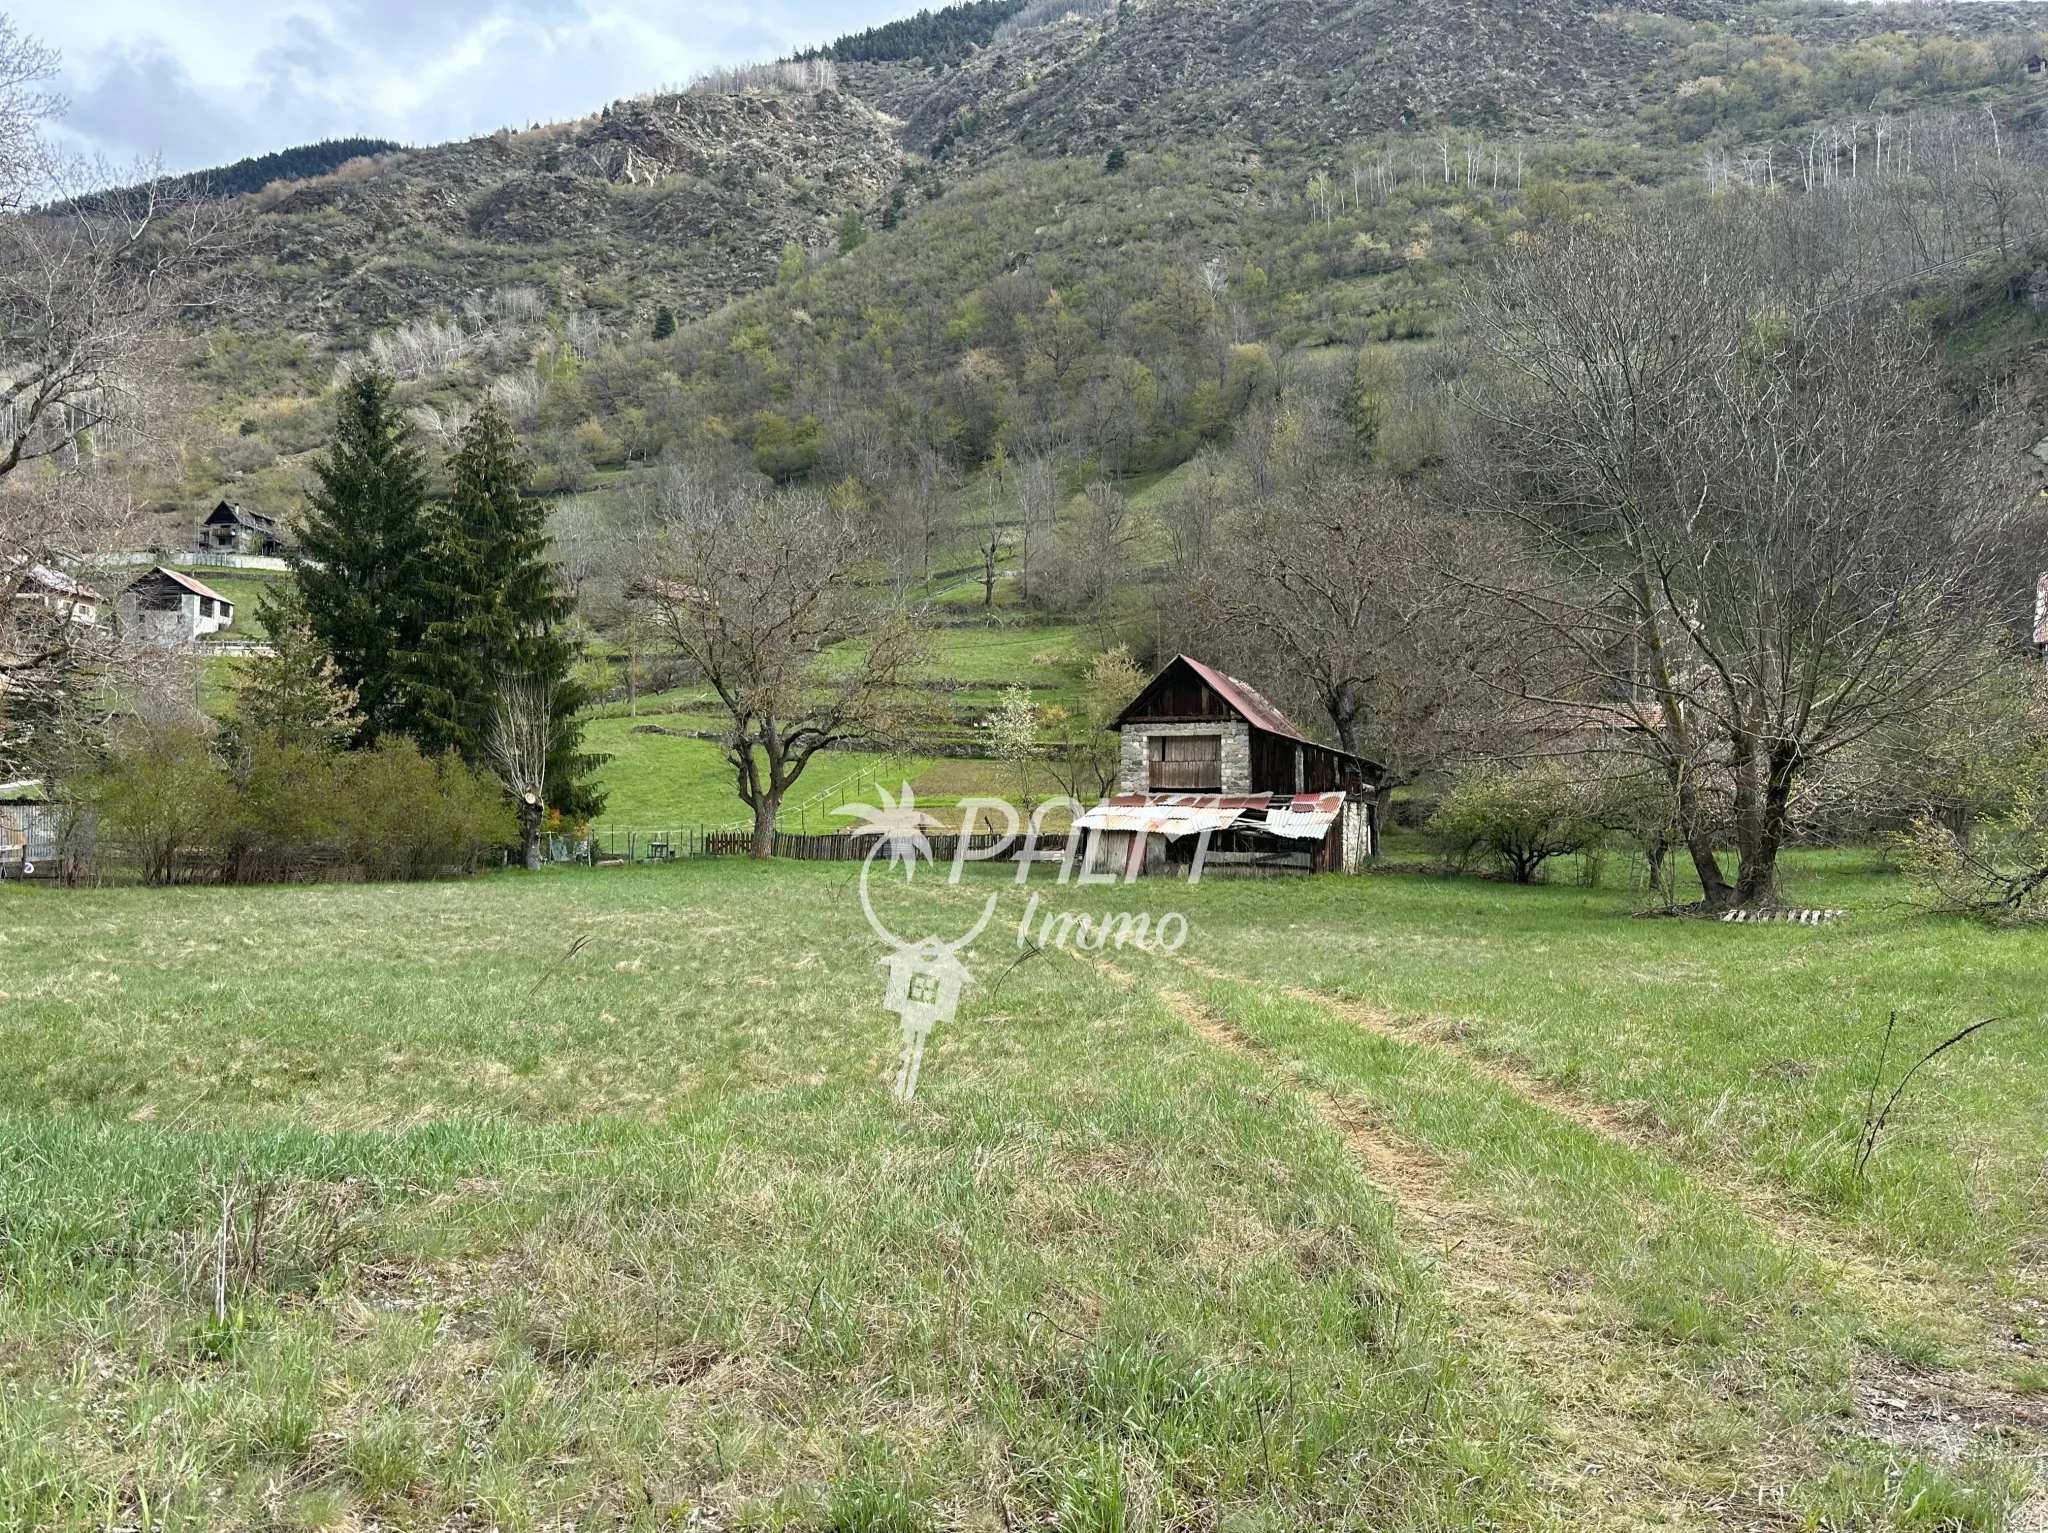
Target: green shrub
(1520, 820)
(288, 814)
(163, 801)
(176, 805)
(413, 816)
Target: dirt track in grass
(1520, 1312)
(1521, 1319)
(1888, 1282)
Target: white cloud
(201, 82)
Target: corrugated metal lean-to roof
(1172, 815)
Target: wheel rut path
(1486, 1264)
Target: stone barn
(168, 609)
(1204, 754)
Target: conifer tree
(294, 694)
(362, 554)
(496, 610)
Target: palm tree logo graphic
(927, 976)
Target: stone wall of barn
(1134, 766)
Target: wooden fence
(630, 846)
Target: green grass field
(669, 782)
(245, 591)
(1395, 1202)
(656, 781)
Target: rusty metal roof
(1245, 698)
(1304, 818)
(197, 588)
(1171, 814)
(1249, 704)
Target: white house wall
(172, 629)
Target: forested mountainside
(1102, 231)
(300, 164)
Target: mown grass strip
(1731, 1355)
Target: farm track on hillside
(1539, 1326)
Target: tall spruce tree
(294, 694)
(362, 555)
(496, 608)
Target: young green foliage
(1520, 819)
(294, 694)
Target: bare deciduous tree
(1334, 596)
(1755, 523)
(992, 534)
(759, 590)
(89, 283)
(523, 728)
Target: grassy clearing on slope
(581, 1197)
(660, 781)
(670, 782)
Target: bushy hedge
(176, 805)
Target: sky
(206, 82)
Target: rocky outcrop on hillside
(688, 200)
(678, 200)
(1153, 72)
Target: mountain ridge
(881, 261)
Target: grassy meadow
(580, 1200)
(658, 781)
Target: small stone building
(229, 529)
(169, 609)
(1203, 752)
